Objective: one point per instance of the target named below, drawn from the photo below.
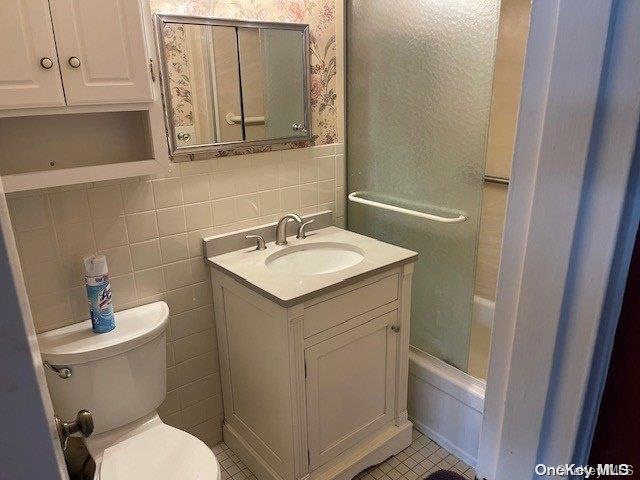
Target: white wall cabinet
(102, 51)
(97, 47)
(91, 61)
(29, 72)
(317, 390)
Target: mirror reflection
(234, 83)
(268, 60)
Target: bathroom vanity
(313, 341)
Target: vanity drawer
(340, 308)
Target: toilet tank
(119, 376)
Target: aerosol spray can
(99, 293)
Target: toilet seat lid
(160, 453)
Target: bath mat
(445, 475)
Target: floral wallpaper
(319, 14)
(178, 73)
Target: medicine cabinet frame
(160, 19)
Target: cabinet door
(26, 36)
(107, 37)
(350, 387)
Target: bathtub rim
(449, 379)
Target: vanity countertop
(249, 266)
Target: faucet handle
(260, 243)
(302, 229)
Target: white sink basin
(314, 258)
(329, 258)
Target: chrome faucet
(281, 229)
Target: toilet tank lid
(76, 344)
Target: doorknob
(83, 424)
(74, 62)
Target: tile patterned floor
(230, 464)
(421, 458)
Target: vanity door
(350, 387)
(103, 52)
(29, 75)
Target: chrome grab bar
(353, 196)
(236, 119)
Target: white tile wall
(151, 230)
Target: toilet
(120, 377)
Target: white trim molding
(575, 143)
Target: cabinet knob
(395, 328)
(74, 62)
(46, 63)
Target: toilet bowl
(151, 450)
(120, 377)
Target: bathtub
(445, 403)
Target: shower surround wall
(507, 81)
(150, 228)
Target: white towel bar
(353, 196)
